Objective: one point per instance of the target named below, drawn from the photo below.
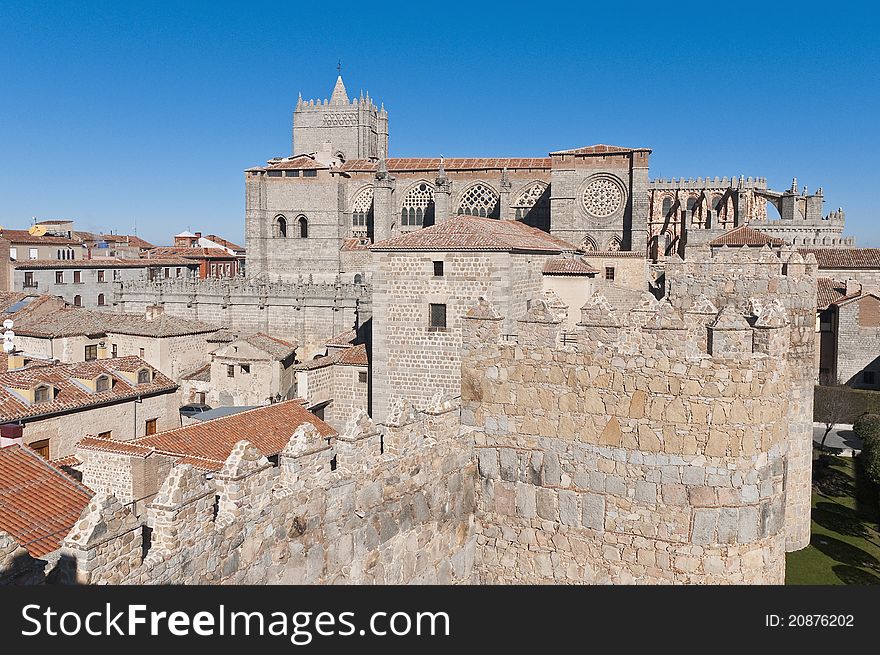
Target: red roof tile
(188, 253)
(598, 149)
(355, 244)
(475, 233)
(70, 395)
(354, 356)
(417, 164)
(745, 236)
(568, 266)
(39, 503)
(268, 428)
(23, 236)
(343, 339)
(854, 258)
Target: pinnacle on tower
(339, 95)
(794, 185)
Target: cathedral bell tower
(340, 129)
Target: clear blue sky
(124, 114)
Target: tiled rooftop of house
(39, 503)
(67, 390)
(128, 239)
(223, 242)
(343, 339)
(23, 236)
(200, 374)
(74, 321)
(475, 233)
(354, 356)
(207, 445)
(852, 258)
(187, 252)
(100, 262)
(568, 266)
(745, 236)
(414, 164)
(355, 244)
(277, 348)
(298, 162)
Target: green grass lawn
(845, 543)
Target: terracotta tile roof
(268, 428)
(343, 339)
(610, 254)
(415, 164)
(128, 239)
(745, 236)
(354, 356)
(355, 244)
(598, 149)
(853, 258)
(223, 242)
(71, 396)
(100, 262)
(186, 252)
(39, 503)
(568, 266)
(23, 236)
(222, 335)
(291, 163)
(62, 462)
(114, 446)
(75, 321)
(200, 374)
(276, 348)
(475, 233)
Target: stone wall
(388, 503)
(645, 452)
(858, 342)
(302, 311)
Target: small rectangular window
(59, 277)
(438, 269)
(437, 317)
(274, 173)
(362, 377)
(106, 435)
(230, 371)
(150, 426)
(40, 447)
(113, 350)
(29, 279)
(77, 277)
(141, 353)
(13, 253)
(177, 272)
(91, 353)
(609, 273)
(33, 253)
(292, 173)
(100, 276)
(310, 172)
(245, 368)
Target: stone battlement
(335, 510)
(719, 183)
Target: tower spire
(339, 95)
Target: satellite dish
(37, 230)
(8, 323)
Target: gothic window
(303, 227)
(613, 244)
(479, 200)
(691, 204)
(532, 206)
(667, 206)
(280, 226)
(101, 301)
(588, 244)
(418, 206)
(362, 210)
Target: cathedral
(314, 214)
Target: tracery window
(613, 244)
(362, 209)
(533, 205)
(479, 200)
(418, 205)
(588, 244)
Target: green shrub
(867, 428)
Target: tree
(867, 428)
(834, 404)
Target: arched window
(691, 203)
(613, 244)
(77, 301)
(280, 226)
(42, 394)
(479, 200)
(101, 302)
(362, 211)
(532, 205)
(102, 383)
(667, 206)
(303, 223)
(588, 244)
(417, 208)
(143, 376)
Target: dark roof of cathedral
(599, 149)
(400, 165)
(855, 258)
(568, 266)
(475, 233)
(291, 163)
(745, 236)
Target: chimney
(14, 361)
(154, 312)
(11, 434)
(853, 287)
(198, 235)
(102, 350)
